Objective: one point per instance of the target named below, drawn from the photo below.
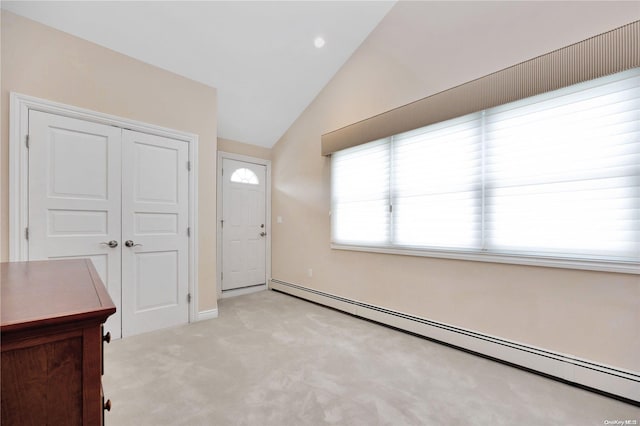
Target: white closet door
(244, 228)
(155, 207)
(74, 196)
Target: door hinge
(26, 141)
(188, 231)
(26, 233)
(189, 165)
(188, 297)
(222, 223)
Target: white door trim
(260, 161)
(19, 173)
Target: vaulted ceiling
(259, 55)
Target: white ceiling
(258, 54)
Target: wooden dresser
(51, 342)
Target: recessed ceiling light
(318, 42)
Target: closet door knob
(112, 243)
(130, 243)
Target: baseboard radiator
(613, 381)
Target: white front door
(74, 196)
(244, 224)
(155, 210)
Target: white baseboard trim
(611, 380)
(208, 314)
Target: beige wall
(413, 53)
(46, 63)
(234, 147)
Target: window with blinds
(437, 193)
(360, 192)
(553, 176)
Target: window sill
(552, 262)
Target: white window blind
(552, 176)
(562, 172)
(436, 185)
(360, 194)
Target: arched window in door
(244, 176)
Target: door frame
(19, 108)
(222, 155)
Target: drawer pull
(107, 405)
(107, 337)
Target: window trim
(625, 267)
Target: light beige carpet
(271, 359)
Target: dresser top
(50, 292)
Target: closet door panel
(155, 203)
(75, 196)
